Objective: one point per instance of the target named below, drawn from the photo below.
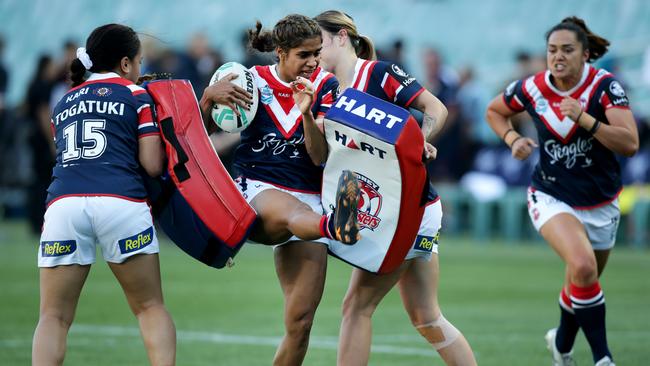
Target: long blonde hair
(333, 21)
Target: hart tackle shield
(383, 145)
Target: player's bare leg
(301, 268)
(60, 289)
(365, 292)
(139, 277)
(419, 290)
(282, 215)
(567, 236)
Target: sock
(568, 329)
(589, 306)
(327, 226)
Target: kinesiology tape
(440, 333)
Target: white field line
(223, 338)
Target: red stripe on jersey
(432, 202)
(540, 81)
(599, 204)
(390, 87)
(514, 104)
(149, 134)
(145, 116)
(408, 102)
(362, 69)
(97, 195)
(549, 127)
(606, 103)
(371, 67)
(138, 92)
(119, 81)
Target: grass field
(503, 297)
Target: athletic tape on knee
(440, 332)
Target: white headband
(82, 55)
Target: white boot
(605, 361)
(561, 359)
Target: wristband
(506, 133)
(513, 141)
(594, 127)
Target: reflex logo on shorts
(425, 243)
(136, 242)
(369, 203)
(56, 248)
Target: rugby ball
(223, 115)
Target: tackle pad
(195, 202)
(383, 144)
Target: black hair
(289, 32)
(595, 44)
(106, 46)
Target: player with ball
(276, 174)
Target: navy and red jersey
(96, 128)
(574, 167)
(272, 148)
(388, 82)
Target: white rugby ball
(223, 115)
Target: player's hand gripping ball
(222, 114)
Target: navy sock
(589, 306)
(568, 329)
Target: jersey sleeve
(327, 94)
(613, 95)
(514, 96)
(400, 87)
(147, 125)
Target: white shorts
(249, 188)
(600, 223)
(74, 225)
(427, 240)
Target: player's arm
(303, 95)
(151, 154)
(498, 116)
(150, 148)
(435, 114)
(620, 135)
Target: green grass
(503, 298)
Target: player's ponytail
(332, 21)
(596, 44)
(365, 48)
(77, 72)
(289, 32)
(260, 40)
(105, 47)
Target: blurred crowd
(467, 147)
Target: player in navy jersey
(350, 56)
(105, 134)
(582, 119)
(277, 176)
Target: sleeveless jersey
(574, 166)
(96, 127)
(388, 82)
(272, 148)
